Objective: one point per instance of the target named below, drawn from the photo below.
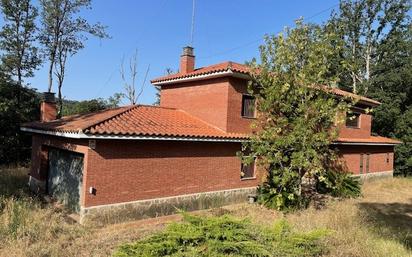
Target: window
(361, 164)
(367, 162)
(352, 120)
(248, 106)
(388, 157)
(247, 170)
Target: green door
(65, 177)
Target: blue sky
(224, 30)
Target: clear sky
(224, 30)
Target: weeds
(376, 225)
(27, 228)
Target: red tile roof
(220, 67)
(369, 140)
(144, 120)
(138, 120)
(244, 69)
(360, 98)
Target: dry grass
(378, 224)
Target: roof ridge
(127, 108)
(155, 106)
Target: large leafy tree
(63, 34)
(376, 61)
(14, 144)
(391, 83)
(17, 39)
(363, 25)
(296, 116)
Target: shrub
(225, 236)
(280, 192)
(339, 184)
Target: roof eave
(225, 73)
(365, 143)
(81, 135)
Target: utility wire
(160, 8)
(253, 42)
(193, 24)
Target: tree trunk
(354, 89)
(50, 76)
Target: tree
(63, 34)
(15, 144)
(391, 84)
(403, 130)
(296, 116)
(71, 107)
(130, 84)
(17, 39)
(168, 71)
(363, 25)
(114, 100)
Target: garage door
(65, 177)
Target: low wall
(375, 175)
(115, 213)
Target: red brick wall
(39, 154)
(205, 99)
(123, 171)
(235, 122)
(377, 162)
(363, 131)
(217, 101)
(48, 111)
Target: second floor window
(353, 120)
(248, 106)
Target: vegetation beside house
(375, 225)
(226, 236)
(365, 47)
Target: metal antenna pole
(193, 23)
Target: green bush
(280, 192)
(225, 236)
(339, 184)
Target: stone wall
(115, 213)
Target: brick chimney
(187, 60)
(48, 108)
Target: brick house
(143, 161)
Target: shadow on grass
(393, 220)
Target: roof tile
(242, 68)
(138, 120)
(224, 66)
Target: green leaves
(226, 236)
(17, 105)
(17, 39)
(296, 115)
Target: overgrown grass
(379, 224)
(29, 227)
(226, 236)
